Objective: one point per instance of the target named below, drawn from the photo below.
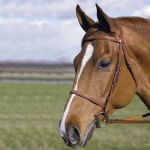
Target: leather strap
(91, 38)
(113, 121)
(117, 71)
(133, 120)
(85, 96)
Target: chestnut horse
(113, 65)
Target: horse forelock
(90, 32)
(97, 29)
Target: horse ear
(106, 22)
(85, 21)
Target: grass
(30, 113)
(50, 76)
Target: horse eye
(104, 64)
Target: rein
(132, 120)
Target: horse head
(95, 68)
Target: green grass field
(30, 113)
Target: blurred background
(48, 31)
(38, 42)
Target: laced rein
(132, 120)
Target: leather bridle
(105, 106)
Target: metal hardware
(97, 122)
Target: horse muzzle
(73, 137)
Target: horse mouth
(86, 137)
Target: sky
(48, 30)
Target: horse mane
(138, 24)
(136, 21)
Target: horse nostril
(73, 135)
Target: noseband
(105, 106)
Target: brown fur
(97, 83)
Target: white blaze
(86, 57)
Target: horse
(111, 68)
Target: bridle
(121, 54)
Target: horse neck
(137, 48)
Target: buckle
(97, 122)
